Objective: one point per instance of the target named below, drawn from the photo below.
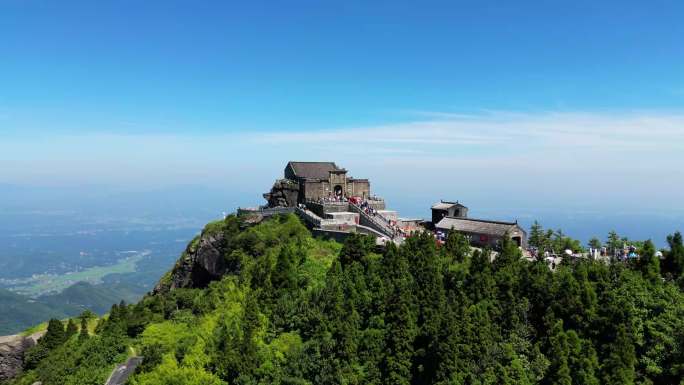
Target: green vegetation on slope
(304, 311)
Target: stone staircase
(377, 222)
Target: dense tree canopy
(299, 310)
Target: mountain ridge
(267, 303)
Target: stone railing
(266, 211)
(313, 219)
(378, 222)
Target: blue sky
(503, 104)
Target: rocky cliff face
(284, 193)
(201, 263)
(12, 350)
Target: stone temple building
(329, 200)
(314, 181)
(453, 216)
(332, 203)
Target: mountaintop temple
(334, 204)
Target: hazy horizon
(26, 208)
(526, 110)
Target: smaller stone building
(483, 233)
(448, 209)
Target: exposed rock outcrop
(284, 193)
(201, 263)
(12, 349)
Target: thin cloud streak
(630, 131)
(547, 157)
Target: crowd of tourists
(333, 199)
(365, 204)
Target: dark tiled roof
(444, 205)
(478, 226)
(313, 170)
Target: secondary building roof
(312, 170)
(478, 226)
(444, 205)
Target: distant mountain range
(20, 312)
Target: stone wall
(314, 190)
(359, 188)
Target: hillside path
(122, 372)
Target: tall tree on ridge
(649, 264)
(399, 318)
(674, 258)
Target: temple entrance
(517, 240)
(338, 190)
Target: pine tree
(399, 318)
(431, 299)
(71, 329)
(123, 310)
(536, 238)
(87, 314)
(509, 255)
(284, 276)
(582, 360)
(614, 243)
(83, 335)
(594, 243)
(114, 314)
(236, 353)
(355, 247)
(457, 246)
(514, 372)
(54, 337)
(618, 368)
(481, 284)
(55, 334)
(251, 324)
(549, 244)
(674, 258)
(649, 264)
(452, 356)
(341, 323)
(559, 351)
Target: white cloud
(552, 157)
(498, 158)
(547, 131)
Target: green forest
(297, 310)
